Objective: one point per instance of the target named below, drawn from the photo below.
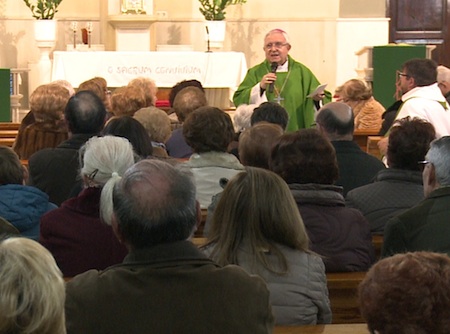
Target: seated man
(398, 187)
(165, 285)
(356, 168)
(55, 170)
(425, 227)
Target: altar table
(220, 71)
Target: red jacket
(77, 238)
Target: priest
(281, 79)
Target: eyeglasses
(401, 74)
(423, 164)
(93, 174)
(277, 45)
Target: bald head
(140, 199)
(187, 100)
(336, 121)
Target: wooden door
(421, 22)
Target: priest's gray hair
(279, 31)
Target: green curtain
(386, 60)
(5, 92)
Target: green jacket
(425, 227)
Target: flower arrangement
(214, 10)
(43, 9)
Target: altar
(219, 72)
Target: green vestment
(299, 83)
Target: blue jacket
(23, 207)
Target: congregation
(107, 190)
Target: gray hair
(439, 156)
(279, 31)
(104, 161)
(443, 74)
(241, 117)
(155, 203)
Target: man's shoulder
(347, 147)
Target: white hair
(105, 160)
(443, 74)
(279, 31)
(32, 291)
(67, 85)
(439, 156)
(242, 115)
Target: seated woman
(21, 205)
(209, 131)
(75, 233)
(256, 225)
(157, 124)
(47, 103)
(99, 87)
(125, 101)
(31, 289)
(149, 88)
(366, 109)
(407, 294)
(131, 129)
(307, 162)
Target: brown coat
(169, 288)
(368, 114)
(37, 136)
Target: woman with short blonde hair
(366, 109)
(47, 103)
(32, 292)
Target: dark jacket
(341, 235)
(176, 145)
(356, 168)
(56, 170)
(77, 238)
(394, 191)
(23, 206)
(168, 288)
(425, 227)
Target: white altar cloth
(213, 69)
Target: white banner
(213, 70)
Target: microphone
(208, 42)
(273, 69)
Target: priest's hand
(267, 80)
(318, 97)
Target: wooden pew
(360, 137)
(8, 133)
(372, 146)
(343, 293)
(199, 232)
(377, 242)
(323, 329)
